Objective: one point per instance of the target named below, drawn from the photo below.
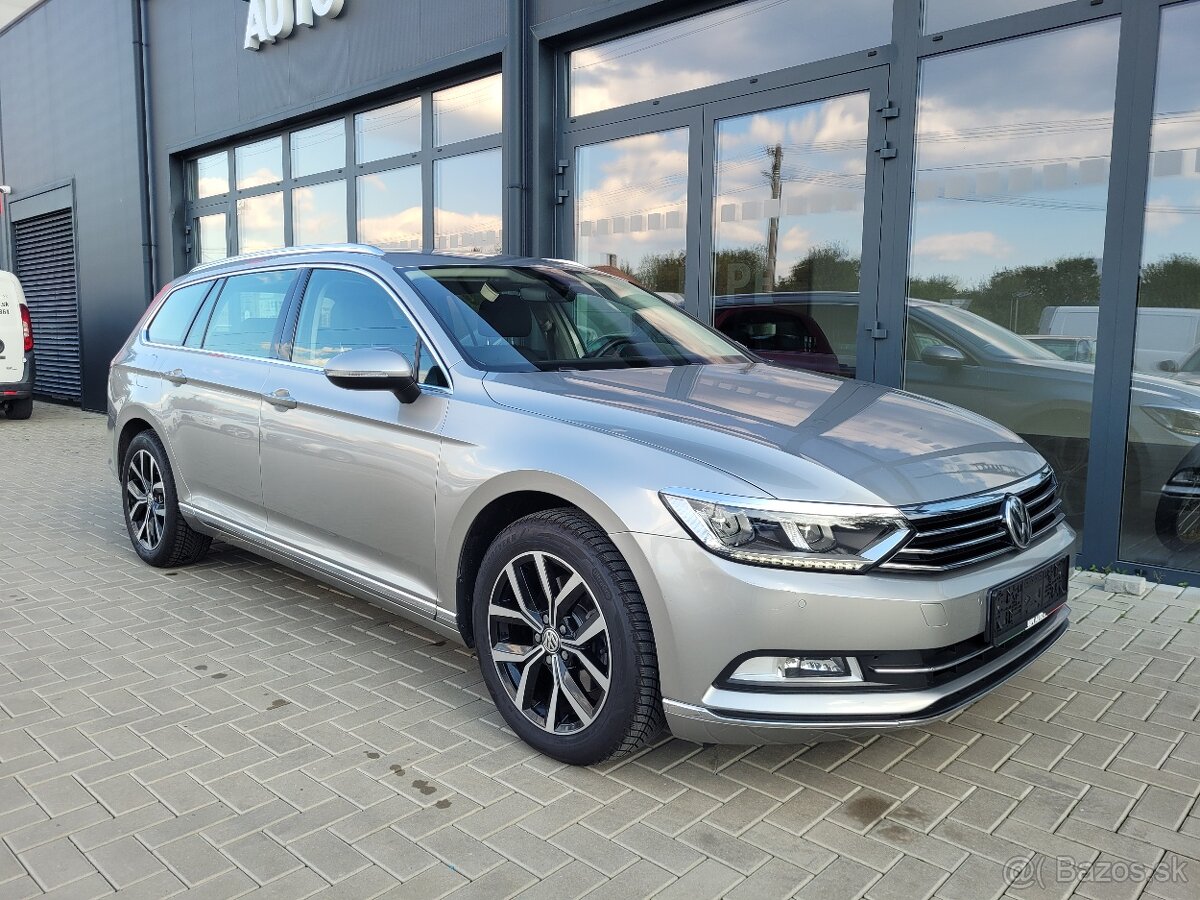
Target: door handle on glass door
(281, 399)
(176, 377)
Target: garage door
(45, 258)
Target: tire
(592, 721)
(157, 530)
(19, 409)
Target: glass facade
(260, 222)
(942, 15)
(259, 163)
(1008, 219)
(468, 214)
(210, 176)
(319, 213)
(737, 41)
(390, 209)
(789, 194)
(1160, 515)
(632, 208)
(467, 111)
(385, 133)
(319, 149)
(382, 199)
(914, 193)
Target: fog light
(797, 670)
(809, 666)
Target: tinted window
(176, 314)
(526, 318)
(343, 311)
(244, 317)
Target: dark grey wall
(206, 87)
(69, 104)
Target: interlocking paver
(242, 729)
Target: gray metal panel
(68, 89)
(44, 253)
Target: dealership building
(995, 203)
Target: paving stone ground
(239, 730)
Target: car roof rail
(289, 251)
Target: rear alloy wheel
(564, 640)
(156, 528)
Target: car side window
(921, 339)
(175, 315)
(347, 311)
(245, 315)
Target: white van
(16, 350)
(1165, 334)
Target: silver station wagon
(633, 520)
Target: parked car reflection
(957, 356)
(1072, 349)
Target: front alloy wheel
(564, 639)
(549, 643)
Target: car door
(212, 393)
(349, 475)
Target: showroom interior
(993, 204)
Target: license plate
(1016, 606)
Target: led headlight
(827, 537)
(1180, 421)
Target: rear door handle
(281, 399)
(176, 377)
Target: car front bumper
(708, 612)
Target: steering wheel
(607, 344)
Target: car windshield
(987, 335)
(547, 318)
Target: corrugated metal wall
(44, 260)
(69, 104)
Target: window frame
(145, 335)
(291, 321)
(350, 172)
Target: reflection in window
(631, 208)
(260, 163)
(942, 15)
(260, 223)
(391, 131)
(788, 221)
(1160, 522)
(319, 214)
(211, 174)
(467, 111)
(1009, 200)
(733, 42)
(469, 198)
(319, 149)
(389, 209)
(211, 238)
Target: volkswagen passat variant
(631, 519)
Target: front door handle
(281, 399)
(176, 377)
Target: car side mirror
(942, 355)
(371, 369)
(1168, 365)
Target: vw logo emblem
(1016, 521)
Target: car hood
(773, 427)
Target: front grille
(964, 532)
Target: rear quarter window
(174, 317)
